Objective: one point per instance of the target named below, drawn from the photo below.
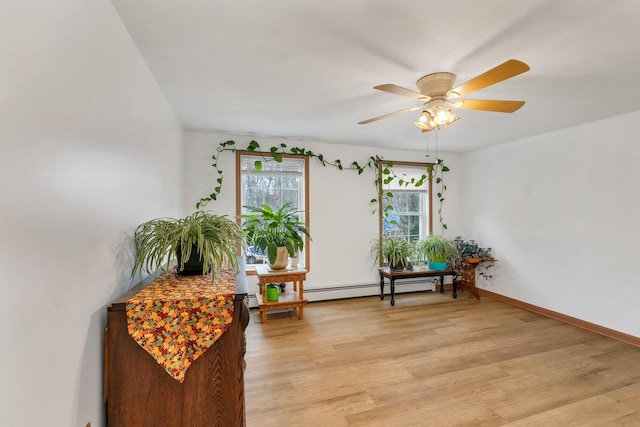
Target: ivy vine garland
(276, 152)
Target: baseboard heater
(342, 288)
(376, 285)
(373, 289)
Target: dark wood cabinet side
(140, 393)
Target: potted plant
(438, 251)
(202, 242)
(394, 250)
(277, 232)
(472, 253)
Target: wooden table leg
(455, 286)
(263, 310)
(301, 296)
(393, 291)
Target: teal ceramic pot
(437, 266)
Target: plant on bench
(439, 252)
(395, 251)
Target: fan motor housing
(436, 84)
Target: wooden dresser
(139, 392)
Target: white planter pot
(282, 259)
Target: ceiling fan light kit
(425, 121)
(433, 118)
(438, 95)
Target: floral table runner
(177, 318)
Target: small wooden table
(289, 298)
(394, 275)
(468, 274)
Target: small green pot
(273, 293)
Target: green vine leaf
(436, 171)
(253, 146)
(227, 143)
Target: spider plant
(437, 249)
(213, 239)
(394, 250)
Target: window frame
(305, 189)
(386, 163)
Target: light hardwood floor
(435, 361)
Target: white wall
(89, 149)
(561, 212)
(342, 224)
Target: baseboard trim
(342, 288)
(358, 290)
(592, 327)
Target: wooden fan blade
(488, 105)
(398, 90)
(504, 71)
(395, 113)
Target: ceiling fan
(438, 95)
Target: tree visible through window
(273, 184)
(409, 215)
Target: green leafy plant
(394, 250)
(439, 175)
(469, 249)
(438, 249)
(436, 171)
(269, 228)
(215, 238)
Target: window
(408, 210)
(408, 216)
(273, 184)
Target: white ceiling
(305, 70)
